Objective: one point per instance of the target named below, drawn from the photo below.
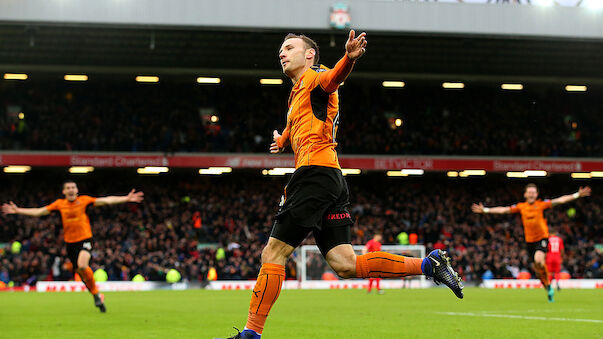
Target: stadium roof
(107, 49)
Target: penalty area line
(468, 314)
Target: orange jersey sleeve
(54, 206)
(87, 199)
(532, 216)
(331, 79)
(284, 138)
(76, 224)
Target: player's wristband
(486, 210)
(576, 195)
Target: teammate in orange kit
(534, 225)
(373, 245)
(76, 228)
(316, 198)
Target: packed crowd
(174, 117)
(236, 214)
(569, 3)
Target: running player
(535, 228)
(373, 245)
(553, 257)
(76, 228)
(316, 197)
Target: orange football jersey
(76, 224)
(313, 116)
(532, 216)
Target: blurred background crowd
(200, 224)
(175, 117)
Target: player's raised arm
(355, 47)
(582, 192)
(480, 209)
(12, 208)
(133, 196)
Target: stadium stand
(236, 213)
(176, 117)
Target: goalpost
(314, 272)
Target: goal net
(314, 272)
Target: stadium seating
(176, 117)
(237, 212)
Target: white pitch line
(521, 317)
(567, 310)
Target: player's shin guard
(88, 278)
(266, 291)
(386, 265)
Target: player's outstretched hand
(274, 146)
(134, 196)
(584, 191)
(477, 208)
(9, 208)
(355, 47)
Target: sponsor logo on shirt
(338, 216)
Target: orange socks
(543, 274)
(372, 265)
(88, 278)
(546, 275)
(386, 265)
(266, 291)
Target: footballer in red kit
(553, 257)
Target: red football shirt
(373, 246)
(555, 246)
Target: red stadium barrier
(564, 276)
(25, 288)
(524, 275)
(227, 285)
(235, 160)
(534, 283)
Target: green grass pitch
(423, 313)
